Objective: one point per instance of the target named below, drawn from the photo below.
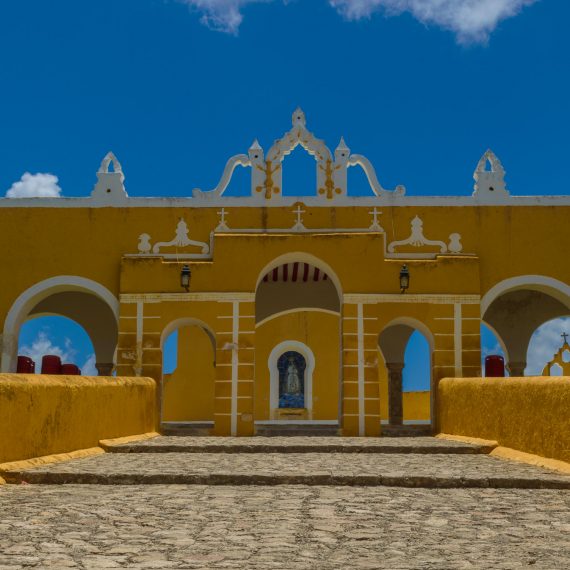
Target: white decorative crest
(299, 226)
(181, 240)
(266, 169)
(417, 239)
(489, 177)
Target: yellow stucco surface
(43, 415)
(189, 390)
(527, 414)
(317, 330)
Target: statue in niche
(291, 367)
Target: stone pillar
(395, 396)
(105, 368)
(516, 369)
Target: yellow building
(294, 312)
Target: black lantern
(404, 278)
(185, 276)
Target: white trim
(274, 356)
(361, 407)
(216, 296)
(38, 292)
(139, 339)
(548, 285)
(187, 322)
(296, 422)
(235, 368)
(204, 200)
(458, 343)
(438, 299)
(299, 310)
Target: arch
(187, 322)
(553, 287)
(414, 324)
(302, 257)
(276, 353)
(32, 296)
(289, 311)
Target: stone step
(199, 429)
(297, 430)
(411, 430)
(300, 444)
(312, 469)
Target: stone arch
(83, 300)
(187, 322)
(296, 281)
(516, 307)
(392, 343)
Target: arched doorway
(405, 356)
(517, 307)
(86, 302)
(298, 336)
(188, 350)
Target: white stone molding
(490, 182)
(110, 187)
(417, 238)
(276, 353)
(36, 293)
(370, 171)
(180, 240)
(231, 165)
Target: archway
(406, 345)
(188, 348)
(548, 351)
(297, 316)
(516, 307)
(57, 336)
(82, 300)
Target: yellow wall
(189, 390)
(320, 332)
(43, 415)
(528, 414)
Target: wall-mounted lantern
(404, 278)
(185, 276)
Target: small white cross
(299, 211)
(222, 225)
(375, 226)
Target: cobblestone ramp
(313, 467)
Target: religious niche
(291, 366)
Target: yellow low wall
(43, 415)
(528, 414)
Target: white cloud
(35, 186)
(470, 20)
(221, 15)
(545, 342)
(43, 345)
(88, 369)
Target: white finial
(255, 145)
(342, 145)
(299, 118)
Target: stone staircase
(424, 462)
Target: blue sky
(420, 87)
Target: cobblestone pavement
(409, 470)
(298, 444)
(285, 527)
